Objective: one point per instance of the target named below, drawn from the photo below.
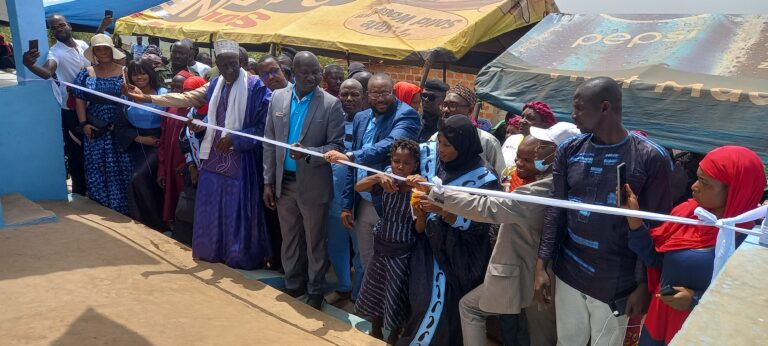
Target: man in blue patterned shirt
(599, 281)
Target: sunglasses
(428, 97)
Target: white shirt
(69, 62)
(509, 149)
(201, 68)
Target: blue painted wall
(31, 143)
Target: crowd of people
(425, 264)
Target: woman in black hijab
(450, 258)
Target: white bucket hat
(102, 40)
(557, 133)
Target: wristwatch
(351, 156)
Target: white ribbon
(725, 239)
(725, 245)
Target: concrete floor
(95, 277)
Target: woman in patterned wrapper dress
(107, 167)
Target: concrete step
(16, 210)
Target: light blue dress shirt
(299, 110)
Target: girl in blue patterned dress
(107, 167)
(384, 292)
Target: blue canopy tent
(86, 15)
(693, 82)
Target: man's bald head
(307, 72)
(352, 84)
(181, 55)
(599, 89)
(61, 29)
(56, 17)
(352, 96)
(597, 105)
(305, 58)
(381, 78)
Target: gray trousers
(540, 323)
(302, 225)
(582, 319)
(365, 219)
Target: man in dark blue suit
(373, 132)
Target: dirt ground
(95, 277)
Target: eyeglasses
(271, 73)
(379, 95)
(428, 97)
(451, 106)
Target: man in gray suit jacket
(300, 186)
(508, 286)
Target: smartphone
(138, 40)
(667, 291)
(125, 76)
(33, 45)
(621, 174)
(108, 13)
(619, 306)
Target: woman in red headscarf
(408, 93)
(680, 258)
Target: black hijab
(462, 134)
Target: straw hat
(102, 40)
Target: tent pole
(427, 67)
(476, 111)
(210, 44)
(348, 61)
(272, 49)
(445, 74)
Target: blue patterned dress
(384, 291)
(107, 167)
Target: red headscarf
(193, 83)
(185, 74)
(741, 170)
(405, 92)
(544, 111)
(515, 121)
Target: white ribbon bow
(725, 245)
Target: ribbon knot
(438, 185)
(706, 216)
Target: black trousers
(73, 151)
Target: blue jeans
(339, 255)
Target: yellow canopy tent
(387, 29)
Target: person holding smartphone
(65, 60)
(680, 258)
(599, 280)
